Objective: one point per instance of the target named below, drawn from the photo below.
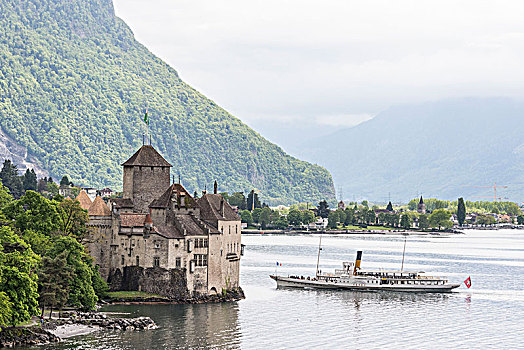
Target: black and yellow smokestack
(357, 261)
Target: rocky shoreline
(100, 320)
(26, 336)
(74, 324)
(231, 295)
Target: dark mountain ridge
(74, 85)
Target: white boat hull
(287, 282)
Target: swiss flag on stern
(467, 282)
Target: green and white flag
(146, 118)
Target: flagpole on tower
(146, 120)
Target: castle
(159, 239)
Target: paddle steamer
(352, 277)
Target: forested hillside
(440, 149)
(74, 86)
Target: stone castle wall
(170, 283)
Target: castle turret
(146, 177)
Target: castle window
(122, 260)
(178, 262)
(201, 243)
(137, 260)
(200, 259)
(156, 261)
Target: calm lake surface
(489, 315)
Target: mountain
(433, 149)
(74, 86)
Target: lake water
(488, 315)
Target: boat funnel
(357, 262)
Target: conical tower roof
(99, 208)
(421, 200)
(85, 201)
(147, 156)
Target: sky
(296, 69)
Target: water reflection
(180, 327)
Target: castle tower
(421, 207)
(146, 177)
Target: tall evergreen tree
(461, 211)
(389, 207)
(55, 276)
(10, 179)
(65, 181)
(323, 209)
(29, 182)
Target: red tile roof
(99, 208)
(85, 201)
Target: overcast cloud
(318, 65)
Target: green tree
(29, 180)
(73, 218)
(365, 203)
(18, 278)
(323, 209)
(371, 217)
(238, 199)
(256, 215)
(246, 217)
(41, 185)
(81, 293)
(5, 308)
(350, 214)
(99, 284)
(423, 221)
(307, 217)
(10, 179)
(34, 212)
(405, 221)
(53, 189)
(265, 217)
(485, 220)
(332, 220)
(294, 217)
(281, 223)
(341, 215)
(461, 211)
(55, 278)
(520, 219)
(440, 218)
(65, 181)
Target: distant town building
(421, 207)
(106, 192)
(65, 190)
(342, 205)
(161, 240)
(91, 192)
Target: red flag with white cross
(467, 282)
